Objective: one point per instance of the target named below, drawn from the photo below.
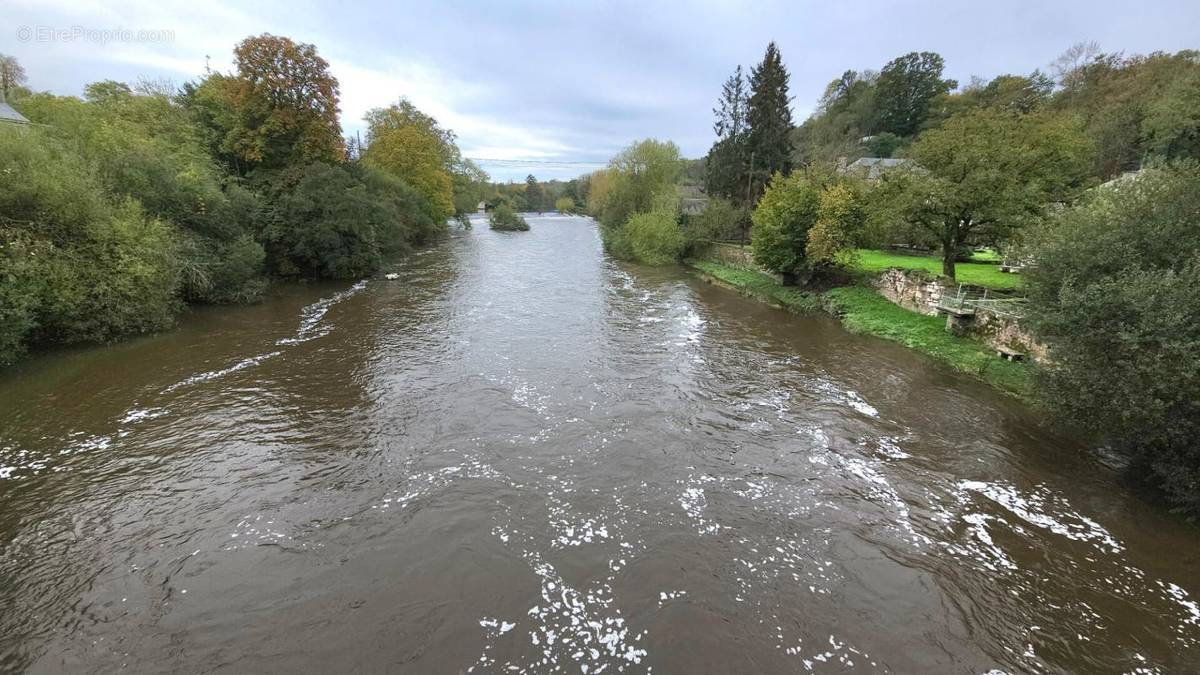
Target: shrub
(655, 237)
(326, 226)
(503, 218)
(840, 220)
(719, 221)
(75, 264)
(564, 205)
(1113, 297)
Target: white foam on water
(310, 317)
(214, 374)
(1033, 508)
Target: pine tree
(770, 120)
(731, 109)
(725, 166)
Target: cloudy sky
(565, 84)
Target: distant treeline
(119, 208)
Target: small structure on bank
(871, 168)
(10, 116)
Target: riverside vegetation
(120, 208)
(1027, 165)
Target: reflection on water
(522, 456)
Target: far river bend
(522, 456)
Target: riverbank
(862, 310)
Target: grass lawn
(974, 273)
(862, 310)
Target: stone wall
(733, 255)
(1000, 330)
(919, 292)
(911, 290)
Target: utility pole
(749, 190)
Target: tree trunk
(949, 253)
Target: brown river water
(523, 456)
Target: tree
(731, 110)
(906, 88)
(280, 108)
(414, 154)
(505, 219)
(12, 75)
(1113, 297)
(466, 178)
(984, 172)
(655, 236)
(841, 216)
(564, 204)
(769, 117)
(534, 196)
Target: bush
(655, 237)
(719, 221)
(504, 219)
(782, 219)
(75, 264)
(564, 205)
(326, 226)
(1113, 297)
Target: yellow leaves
(414, 155)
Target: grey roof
(873, 167)
(7, 114)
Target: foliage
(12, 76)
(782, 219)
(719, 221)
(144, 146)
(504, 219)
(326, 226)
(1132, 107)
(983, 174)
(769, 117)
(1114, 298)
(629, 186)
(564, 204)
(278, 110)
(535, 198)
(77, 264)
(906, 88)
(655, 236)
(413, 154)
(468, 181)
(840, 220)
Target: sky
(557, 88)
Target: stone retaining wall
(911, 290)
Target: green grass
(862, 310)
(759, 285)
(975, 273)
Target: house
(692, 200)
(872, 168)
(10, 116)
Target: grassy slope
(862, 310)
(977, 274)
(759, 285)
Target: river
(523, 456)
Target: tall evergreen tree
(731, 109)
(725, 165)
(770, 121)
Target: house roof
(7, 114)
(873, 167)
